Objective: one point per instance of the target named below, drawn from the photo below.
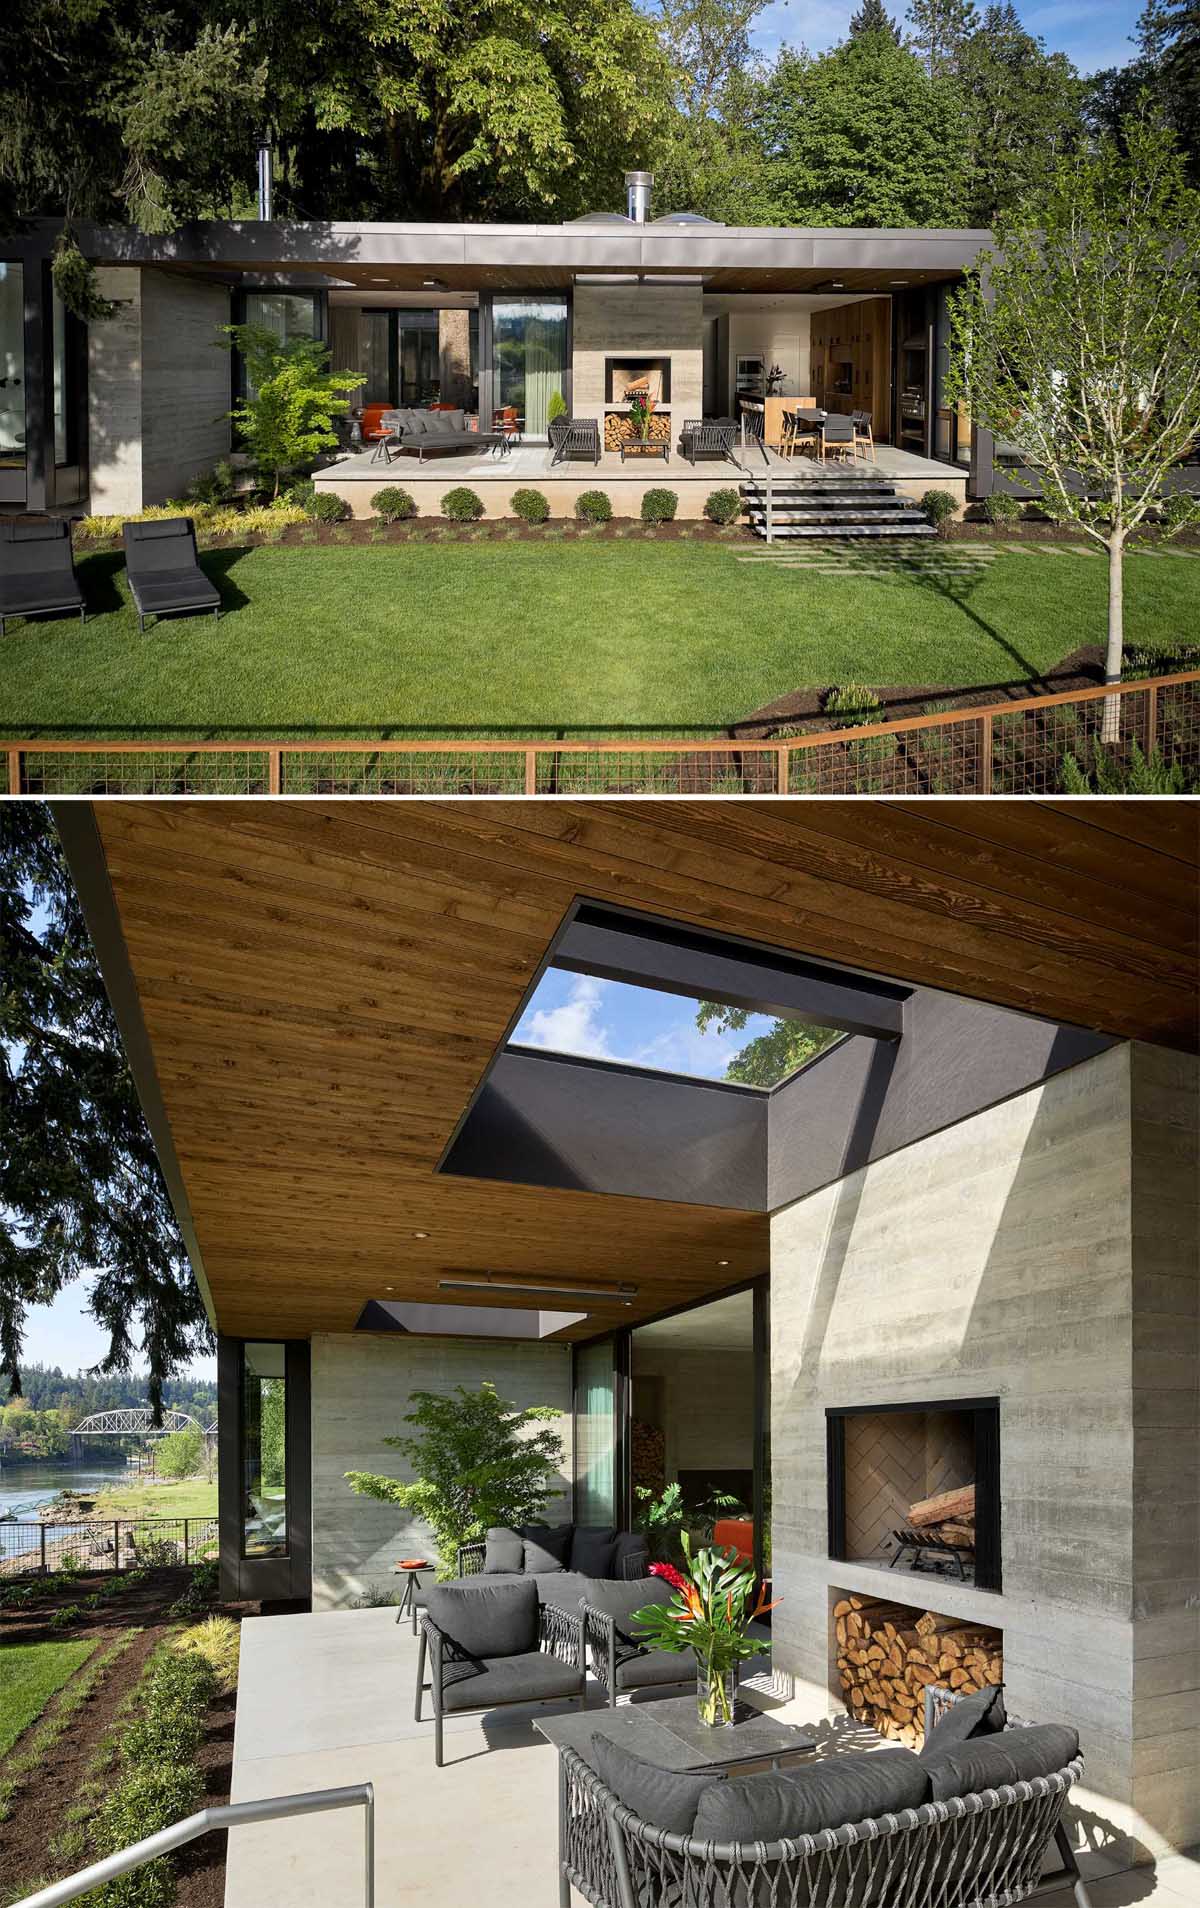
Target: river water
(24, 1486)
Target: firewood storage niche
(915, 1488)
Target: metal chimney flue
(266, 179)
(637, 195)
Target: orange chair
(732, 1533)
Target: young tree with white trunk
(1077, 343)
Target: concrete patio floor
(328, 1699)
(533, 463)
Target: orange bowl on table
(412, 1563)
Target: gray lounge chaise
(37, 575)
(491, 1645)
(164, 569)
(425, 431)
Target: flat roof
(470, 256)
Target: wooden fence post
(1151, 718)
(14, 771)
(43, 1550)
(783, 757)
(985, 755)
(274, 771)
(116, 1543)
(185, 1540)
(531, 771)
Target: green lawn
(185, 1497)
(539, 639)
(30, 1673)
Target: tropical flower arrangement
(641, 407)
(714, 1602)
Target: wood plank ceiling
(324, 985)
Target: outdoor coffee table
(635, 448)
(669, 1732)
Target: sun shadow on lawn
(957, 590)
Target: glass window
(529, 345)
(418, 352)
(595, 1433)
(264, 1451)
(287, 314)
(60, 380)
(376, 358)
(12, 368)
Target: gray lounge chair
(574, 437)
(37, 575)
(620, 1661)
(164, 570)
(709, 437)
(493, 1645)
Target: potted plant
(713, 1606)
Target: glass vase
(716, 1694)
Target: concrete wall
(705, 1406)
(646, 320)
(361, 1385)
(1007, 1255)
(158, 387)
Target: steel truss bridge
(135, 1421)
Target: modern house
(122, 413)
(957, 1246)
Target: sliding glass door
(12, 384)
(596, 1433)
(529, 349)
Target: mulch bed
(1082, 669)
(438, 530)
(40, 1804)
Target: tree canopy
(81, 1193)
(768, 1057)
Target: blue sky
(605, 1020)
(1095, 33)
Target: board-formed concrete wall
(158, 388)
(645, 321)
(1009, 1255)
(361, 1385)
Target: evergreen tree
(707, 154)
(873, 17)
(859, 136)
(81, 1192)
(939, 28)
(1164, 77)
(1022, 111)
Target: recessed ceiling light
(420, 1235)
(381, 281)
(434, 284)
(898, 281)
(389, 1288)
(722, 1261)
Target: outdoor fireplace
(628, 376)
(915, 1488)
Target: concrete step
(848, 514)
(834, 532)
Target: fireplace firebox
(629, 376)
(915, 1488)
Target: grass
(30, 1674)
(526, 639)
(79, 1687)
(182, 1497)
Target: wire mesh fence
(1040, 745)
(30, 1549)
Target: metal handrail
(228, 1815)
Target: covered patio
(327, 1699)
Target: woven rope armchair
(560, 1638)
(976, 1851)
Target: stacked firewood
(887, 1654)
(949, 1516)
(647, 1456)
(619, 428)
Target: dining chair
(864, 440)
(837, 437)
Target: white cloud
(575, 1026)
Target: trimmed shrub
(1002, 507)
(148, 1799)
(462, 505)
(556, 406)
(659, 506)
(213, 486)
(939, 506)
(723, 506)
(216, 1642)
(852, 705)
(393, 505)
(326, 508)
(532, 506)
(593, 506)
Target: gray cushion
(514, 1679)
(547, 1547)
(979, 1714)
(647, 1669)
(592, 1549)
(503, 1551)
(630, 1543)
(621, 1601)
(562, 1587)
(822, 1795)
(989, 1762)
(669, 1798)
(452, 420)
(486, 1619)
(414, 423)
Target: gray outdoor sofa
(427, 431)
(37, 575)
(966, 1824)
(564, 1560)
(491, 1644)
(619, 1660)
